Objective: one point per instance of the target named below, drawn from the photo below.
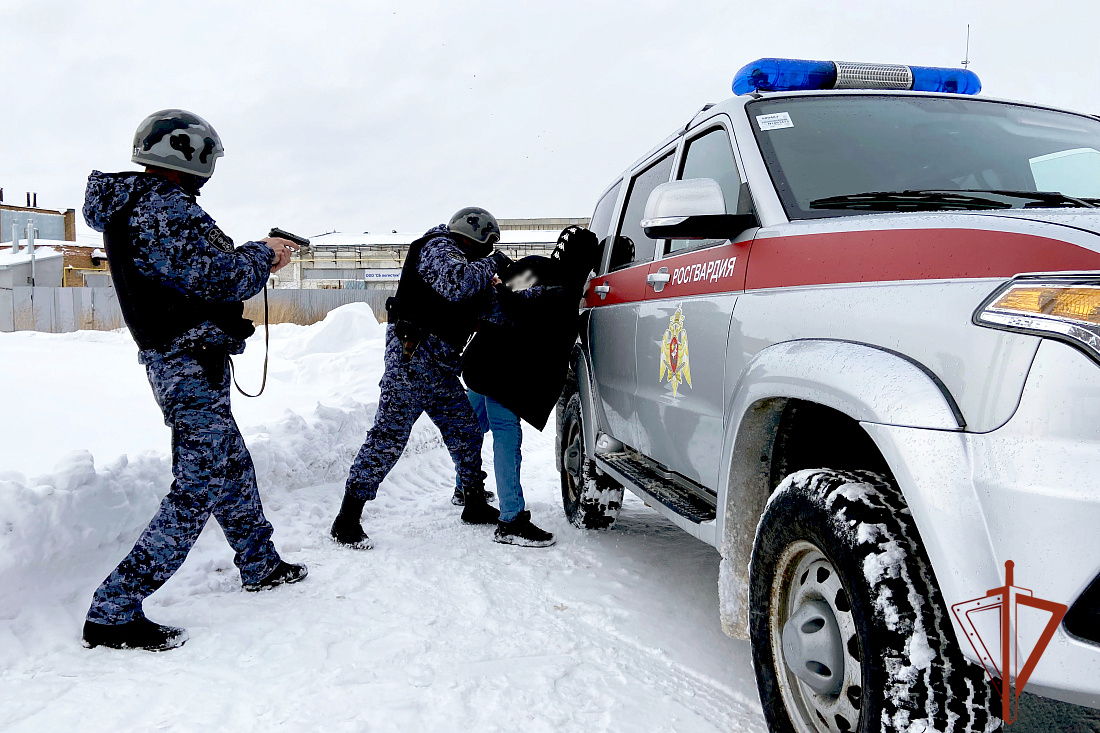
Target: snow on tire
(590, 497)
(848, 629)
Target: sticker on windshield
(774, 121)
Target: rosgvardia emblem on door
(674, 353)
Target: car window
(632, 246)
(711, 156)
(601, 217)
(847, 155)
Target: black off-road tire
(591, 499)
(911, 674)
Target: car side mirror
(692, 209)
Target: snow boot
(347, 530)
(140, 633)
(459, 499)
(284, 573)
(477, 509)
(520, 531)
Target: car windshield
(849, 154)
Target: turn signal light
(1065, 307)
(1078, 304)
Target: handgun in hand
(277, 232)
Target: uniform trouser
(410, 388)
(507, 439)
(213, 475)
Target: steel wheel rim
(572, 457)
(796, 583)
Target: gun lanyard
(267, 355)
(301, 242)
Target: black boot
(347, 530)
(520, 531)
(459, 499)
(137, 634)
(477, 509)
(284, 573)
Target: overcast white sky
(368, 115)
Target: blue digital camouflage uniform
(177, 243)
(428, 382)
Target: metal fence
(60, 310)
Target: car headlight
(1063, 306)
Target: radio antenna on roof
(966, 61)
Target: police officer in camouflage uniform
(445, 287)
(181, 285)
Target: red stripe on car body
(834, 258)
(908, 254)
(627, 286)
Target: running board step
(651, 482)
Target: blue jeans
(507, 437)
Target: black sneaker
(137, 634)
(520, 531)
(284, 573)
(349, 532)
(477, 509)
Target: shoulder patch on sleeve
(219, 239)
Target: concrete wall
(47, 272)
(60, 310)
(50, 224)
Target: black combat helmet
(476, 224)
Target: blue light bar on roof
(786, 75)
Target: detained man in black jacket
(516, 365)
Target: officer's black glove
(501, 261)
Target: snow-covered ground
(436, 629)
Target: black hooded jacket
(521, 360)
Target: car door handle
(602, 290)
(657, 280)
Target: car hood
(1087, 220)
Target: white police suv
(847, 330)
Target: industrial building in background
(49, 282)
(373, 261)
(53, 225)
(58, 260)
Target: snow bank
(53, 520)
(7, 259)
(342, 327)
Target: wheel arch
(788, 391)
(578, 381)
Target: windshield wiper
(909, 201)
(1045, 199)
(949, 199)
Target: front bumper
(1028, 492)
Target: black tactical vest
(417, 305)
(156, 313)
